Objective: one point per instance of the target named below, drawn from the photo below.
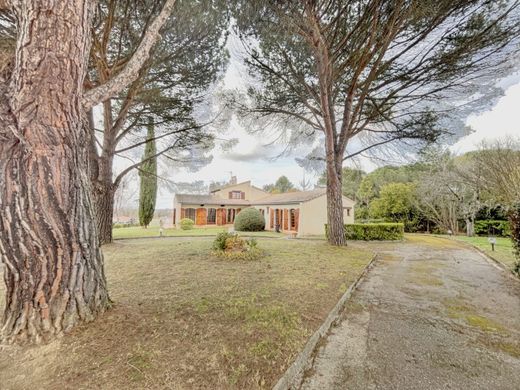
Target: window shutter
(242, 195)
(230, 195)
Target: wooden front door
(221, 216)
(201, 217)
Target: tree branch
(131, 70)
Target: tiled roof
(209, 199)
(291, 197)
(285, 198)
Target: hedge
(496, 228)
(373, 231)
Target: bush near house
(249, 220)
(373, 231)
(186, 224)
(490, 227)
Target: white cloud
(503, 120)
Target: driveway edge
(294, 375)
(490, 259)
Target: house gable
(243, 190)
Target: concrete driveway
(432, 314)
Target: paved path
(430, 315)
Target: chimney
(233, 180)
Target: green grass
(183, 318)
(503, 248)
(153, 231)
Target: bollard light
(492, 241)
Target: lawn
(153, 231)
(184, 319)
(503, 248)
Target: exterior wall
(179, 207)
(272, 208)
(313, 216)
(348, 217)
(251, 193)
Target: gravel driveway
(430, 315)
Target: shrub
(496, 228)
(373, 231)
(119, 225)
(219, 244)
(249, 255)
(514, 218)
(249, 220)
(186, 224)
(230, 246)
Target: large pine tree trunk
(335, 223)
(54, 267)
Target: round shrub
(186, 224)
(249, 220)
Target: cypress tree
(148, 176)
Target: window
(348, 211)
(292, 218)
(190, 213)
(235, 195)
(212, 216)
(231, 215)
(262, 211)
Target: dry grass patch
(184, 319)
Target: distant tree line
(442, 192)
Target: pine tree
(148, 175)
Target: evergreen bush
(186, 224)
(490, 227)
(249, 220)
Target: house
(300, 212)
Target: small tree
(396, 203)
(282, 184)
(148, 175)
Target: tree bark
(336, 228)
(103, 195)
(470, 227)
(54, 267)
